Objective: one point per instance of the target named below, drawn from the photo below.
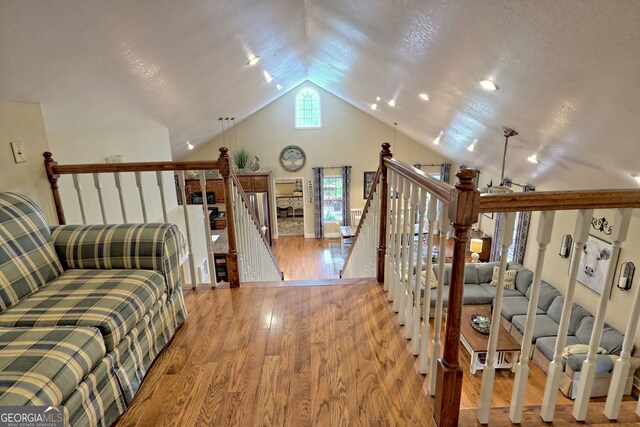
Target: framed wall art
(595, 261)
(368, 183)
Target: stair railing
(163, 190)
(256, 261)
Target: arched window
(308, 109)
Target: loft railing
(121, 171)
(412, 212)
(256, 261)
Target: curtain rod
(419, 165)
(331, 167)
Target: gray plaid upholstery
(125, 246)
(113, 301)
(27, 258)
(43, 366)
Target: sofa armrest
(123, 246)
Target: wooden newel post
(224, 165)
(49, 163)
(463, 212)
(384, 190)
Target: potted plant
(241, 159)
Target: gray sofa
(478, 290)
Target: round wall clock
(292, 158)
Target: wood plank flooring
(304, 259)
(297, 356)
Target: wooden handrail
(256, 222)
(438, 188)
(364, 213)
(132, 167)
(560, 200)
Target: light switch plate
(18, 152)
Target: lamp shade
(476, 245)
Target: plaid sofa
(84, 310)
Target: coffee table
(476, 343)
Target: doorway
(289, 206)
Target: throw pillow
(509, 278)
(434, 280)
(580, 349)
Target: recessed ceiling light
(374, 106)
(489, 85)
(472, 146)
(636, 177)
(392, 103)
(424, 96)
(267, 77)
(533, 158)
(189, 145)
(253, 60)
(377, 99)
(437, 140)
(278, 86)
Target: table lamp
(475, 247)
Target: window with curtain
(332, 199)
(308, 113)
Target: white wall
(23, 122)
(348, 137)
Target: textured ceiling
(568, 72)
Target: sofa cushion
(611, 339)
(474, 294)
(523, 278)
(515, 305)
(27, 257)
(604, 363)
(470, 274)
(577, 314)
(545, 326)
(547, 345)
(111, 300)
(43, 366)
(485, 271)
(491, 290)
(547, 294)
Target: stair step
(319, 282)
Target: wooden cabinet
(260, 183)
(217, 186)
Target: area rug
(290, 226)
(336, 256)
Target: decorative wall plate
(292, 158)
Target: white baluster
(436, 343)
(207, 228)
(410, 278)
(545, 226)
(432, 213)
(489, 371)
(404, 255)
(583, 222)
(622, 217)
(398, 244)
(389, 250)
(163, 201)
(98, 184)
(623, 366)
(78, 187)
(192, 264)
(143, 205)
(417, 289)
(123, 209)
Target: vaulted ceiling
(568, 72)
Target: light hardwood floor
(297, 356)
(304, 259)
(291, 353)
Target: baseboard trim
(326, 235)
